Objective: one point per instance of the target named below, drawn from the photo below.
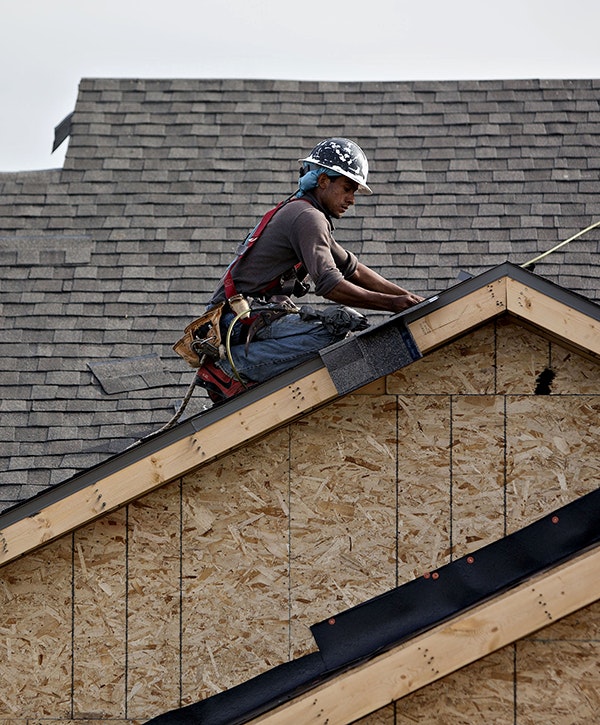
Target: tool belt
(202, 338)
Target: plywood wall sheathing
(343, 510)
(462, 367)
(153, 602)
(99, 636)
(35, 634)
(235, 588)
(521, 355)
(216, 577)
(424, 541)
(553, 455)
(477, 472)
(573, 374)
(165, 465)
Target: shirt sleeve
(326, 261)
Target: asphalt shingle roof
(107, 259)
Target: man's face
(336, 195)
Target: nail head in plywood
(460, 316)
(553, 316)
(446, 648)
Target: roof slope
(341, 368)
(108, 259)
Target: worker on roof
(294, 243)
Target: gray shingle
(110, 257)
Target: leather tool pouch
(202, 337)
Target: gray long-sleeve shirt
(299, 232)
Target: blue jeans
(282, 345)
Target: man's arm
(369, 290)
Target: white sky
(47, 46)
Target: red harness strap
(228, 283)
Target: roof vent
(62, 131)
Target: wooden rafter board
(553, 316)
(166, 464)
(462, 640)
(460, 316)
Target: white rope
(562, 244)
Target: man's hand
(369, 290)
(403, 302)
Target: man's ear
(323, 181)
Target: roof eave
(209, 435)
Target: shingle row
(109, 258)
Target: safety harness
(203, 337)
(295, 275)
(202, 343)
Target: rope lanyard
(562, 244)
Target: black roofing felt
(356, 635)
(110, 257)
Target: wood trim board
(428, 657)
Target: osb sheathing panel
(35, 634)
(235, 568)
(153, 602)
(343, 510)
(477, 472)
(423, 484)
(100, 627)
(574, 374)
(557, 682)
(553, 456)
(371, 491)
(465, 366)
(521, 356)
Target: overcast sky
(47, 46)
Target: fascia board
(566, 318)
(460, 315)
(452, 645)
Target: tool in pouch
(203, 338)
